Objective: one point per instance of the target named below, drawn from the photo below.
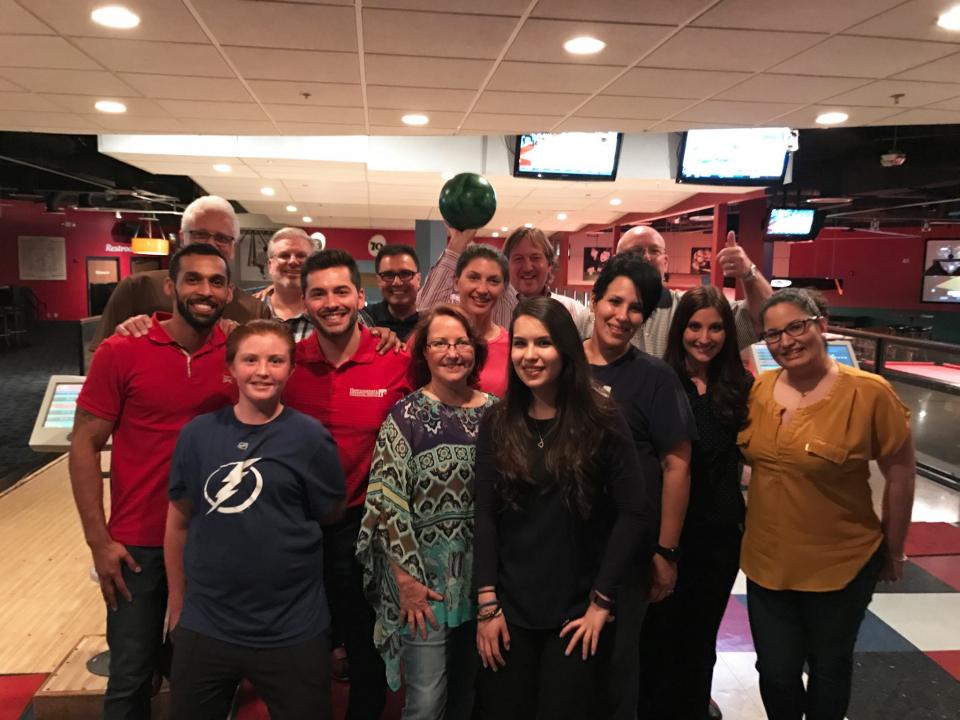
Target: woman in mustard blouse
(814, 548)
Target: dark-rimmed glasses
(793, 329)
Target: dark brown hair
(584, 417)
(259, 327)
(419, 370)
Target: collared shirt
(299, 325)
(351, 400)
(652, 336)
(150, 387)
(810, 519)
(378, 315)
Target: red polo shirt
(150, 387)
(351, 401)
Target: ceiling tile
(637, 108)
(81, 104)
(658, 82)
(14, 19)
(953, 104)
(809, 15)
(7, 86)
(406, 33)
(34, 121)
(140, 124)
(667, 12)
(926, 116)
(159, 20)
(389, 130)
(216, 126)
(160, 57)
(211, 109)
(510, 123)
(863, 57)
(406, 98)
(527, 103)
(437, 119)
(704, 49)
(726, 111)
(179, 87)
(487, 7)
(916, 19)
(263, 64)
(315, 114)
(27, 101)
(425, 71)
(542, 41)
(290, 93)
(944, 70)
(547, 77)
(300, 128)
(915, 94)
(788, 88)
(280, 25)
(591, 124)
(806, 117)
(42, 52)
(79, 82)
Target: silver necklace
(540, 444)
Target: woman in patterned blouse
(417, 535)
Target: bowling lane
(935, 417)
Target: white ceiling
(345, 67)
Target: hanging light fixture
(146, 243)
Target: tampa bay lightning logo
(233, 487)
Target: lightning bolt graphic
(230, 483)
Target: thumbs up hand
(732, 259)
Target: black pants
(539, 681)
(791, 627)
(353, 617)
(679, 637)
(294, 681)
(620, 686)
(135, 637)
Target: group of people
(532, 510)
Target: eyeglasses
(389, 276)
(207, 237)
(459, 346)
(794, 329)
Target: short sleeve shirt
(254, 552)
(810, 519)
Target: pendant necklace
(540, 443)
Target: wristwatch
(751, 274)
(601, 602)
(671, 554)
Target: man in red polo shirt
(142, 391)
(342, 382)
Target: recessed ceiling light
(584, 45)
(222, 167)
(307, 219)
(415, 119)
(950, 20)
(834, 117)
(110, 106)
(528, 225)
(268, 191)
(504, 229)
(291, 208)
(115, 16)
(616, 201)
(496, 234)
(447, 175)
(561, 216)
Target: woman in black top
(702, 349)
(560, 512)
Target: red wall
(87, 235)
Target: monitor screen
(568, 156)
(749, 156)
(941, 272)
(789, 223)
(63, 406)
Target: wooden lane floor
(47, 599)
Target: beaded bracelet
(490, 615)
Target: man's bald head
(647, 243)
(211, 219)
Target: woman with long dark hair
(561, 510)
(702, 350)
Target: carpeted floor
(51, 348)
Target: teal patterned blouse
(419, 514)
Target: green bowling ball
(467, 201)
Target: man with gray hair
(287, 250)
(208, 219)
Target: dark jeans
(539, 681)
(294, 680)
(620, 694)
(679, 637)
(135, 637)
(791, 627)
(353, 617)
